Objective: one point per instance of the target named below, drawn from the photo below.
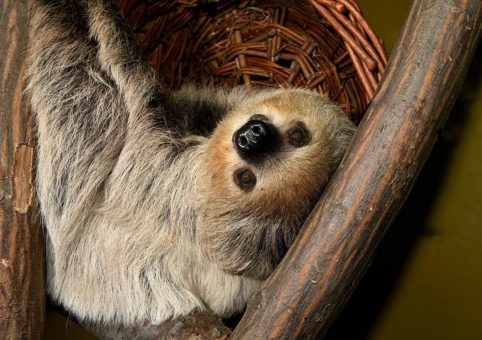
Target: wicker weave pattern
(324, 45)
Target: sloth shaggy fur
(143, 218)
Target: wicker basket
(324, 45)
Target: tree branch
(197, 325)
(22, 285)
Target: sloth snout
(256, 139)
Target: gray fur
(143, 219)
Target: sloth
(155, 202)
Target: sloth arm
(188, 111)
(101, 119)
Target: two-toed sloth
(157, 203)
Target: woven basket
(324, 45)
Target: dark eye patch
(298, 135)
(244, 178)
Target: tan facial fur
(287, 184)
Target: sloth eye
(298, 135)
(244, 179)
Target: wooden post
(22, 285)
(424, 75)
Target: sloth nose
(255, 139)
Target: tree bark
(22, 286)
(197, 325)
(320, 271)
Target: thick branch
(197, 325)
(420, 85)
(22, 289)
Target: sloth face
(278, 145)
(268, 162)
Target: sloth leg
(137, 80)
(188, 111)
(99, 106)
(81, 116)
